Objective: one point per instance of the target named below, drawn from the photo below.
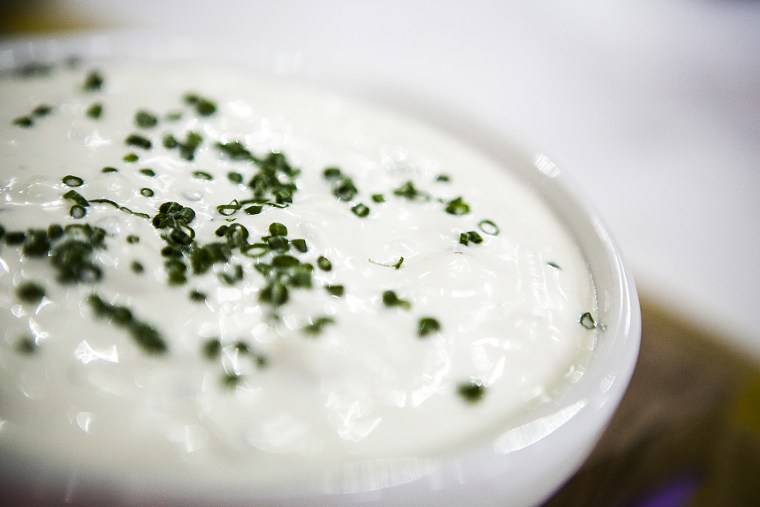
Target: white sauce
(367, 387)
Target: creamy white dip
(366, 387)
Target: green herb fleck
(147, 192)
(26, 345)
(324, 263)
(231, 380)
(95, 110)
(93, 81)
(203, 106)
(457, 207)
(78, 211)
(23, 121)
(144, 335)
(147, 171)
(42, 110)
(409, 191)
(443, 178)
(554, 265)
(360, 210)
(471, 391)
(335, 290)
(378, 198)
(30, 292)
(212, 348)
(132, 239)
(468, 237)
(488, 227)
(131, 157)
(138, 141)
(235, 177)
(202, 175)
(587, 321)
(427, 325)
(317, 325)
(391, 299)
(72, 181)
(144, 119)
(109, 169)
(137, 267)
(197, 296)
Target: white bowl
(520, 465)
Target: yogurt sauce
(270, 395)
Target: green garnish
(235, 177)
(409, 191)
(203, 106)
(300, 245)
(468, 237)
(42, 110)
(72, 181)
(144, 335)
(131, 157)
(137, 267)
(203, 175)
(324, 263)
(26, 345)
(554, 265)
(147, 171)
(457, 207)
(427, 325)
(587, 321)
(342, 186)
(93, 81)
(488, 227)
(23, 121)
(109, 169)
(95, 110)
(138, 141)
(78, 211)
(212, 348)
(317, 325)
(391, 299)
(471, 391)
(360, 210)
(231, 380)
(30, 292)
(278, 229)
(132, 239)
(187, 148)
(443, 178)
(335, 290)
(378, 198)
(197, 296)
(144, 119)
(15, 237)
(36, 243)
(147, 192)
(395, 265)
(73, 255)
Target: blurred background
(653, 107)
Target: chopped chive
(360, 210)
(132, 239)
(131, 157)
(72, 181)
(147, 192)
(278, 229)
(468, 237)
(138, 141)
(15, 237)
(95, 110)
(109, 169)
(137, 267)
(409, 191)
(42, 110)
(427, 325)
(335, 290)
(300, 245)
(253, 210)
(324, 263)
(235, 177)
(202, 175)
(457, 207)
(144, 335)
(212, 348)
(54, 231)
(144, 119)
(197, 296)
(488, 227)
(93, 81)
(147, 171)
(231, 380)
(23, 121)
(26, 345)
(554, 265)
(587, 321)
(471, 391)
(443, 178)
(77, 211)
(378, 198)
(317, 325)
(30, 292)
(391, 299)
